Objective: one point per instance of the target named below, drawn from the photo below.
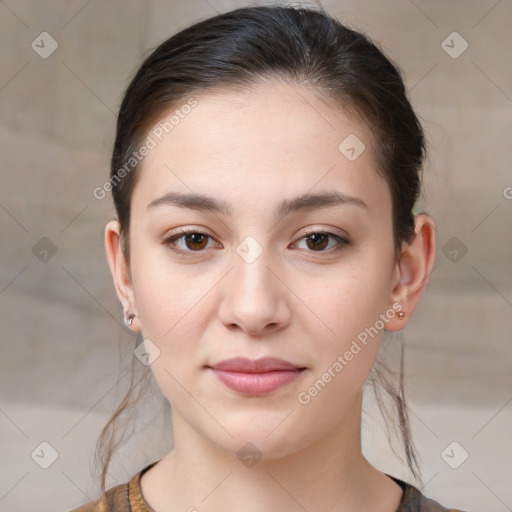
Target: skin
(295, 302)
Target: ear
(412, 271)
(120, 270)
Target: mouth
(256, 377)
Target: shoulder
(115, 499)
(414, 501)
(428, 505)
(125, 497)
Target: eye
(317, 241)
(192, 241)
(188, 241)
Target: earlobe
(119, 268)
(413, 269)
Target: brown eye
(319, 241)
(187, 241)
(195, 241)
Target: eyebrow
(285, 207)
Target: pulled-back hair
(243, 48)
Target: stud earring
(401, 315)
(128, 320)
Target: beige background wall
(61, 322)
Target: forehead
(262, 144)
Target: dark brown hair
(306, 47)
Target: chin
(265, 439)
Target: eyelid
(316, 229)
(342, 240)
(181, 233)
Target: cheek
(174, 309)
(165, 297)
(347, 341)
(345, 354)
(348, 303)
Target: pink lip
(255, 377)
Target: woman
(266, 166)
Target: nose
(255, 299)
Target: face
(267, 275)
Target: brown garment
(128, 498)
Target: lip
(255, 377)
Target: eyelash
(169, 241)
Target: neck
(330, 473)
